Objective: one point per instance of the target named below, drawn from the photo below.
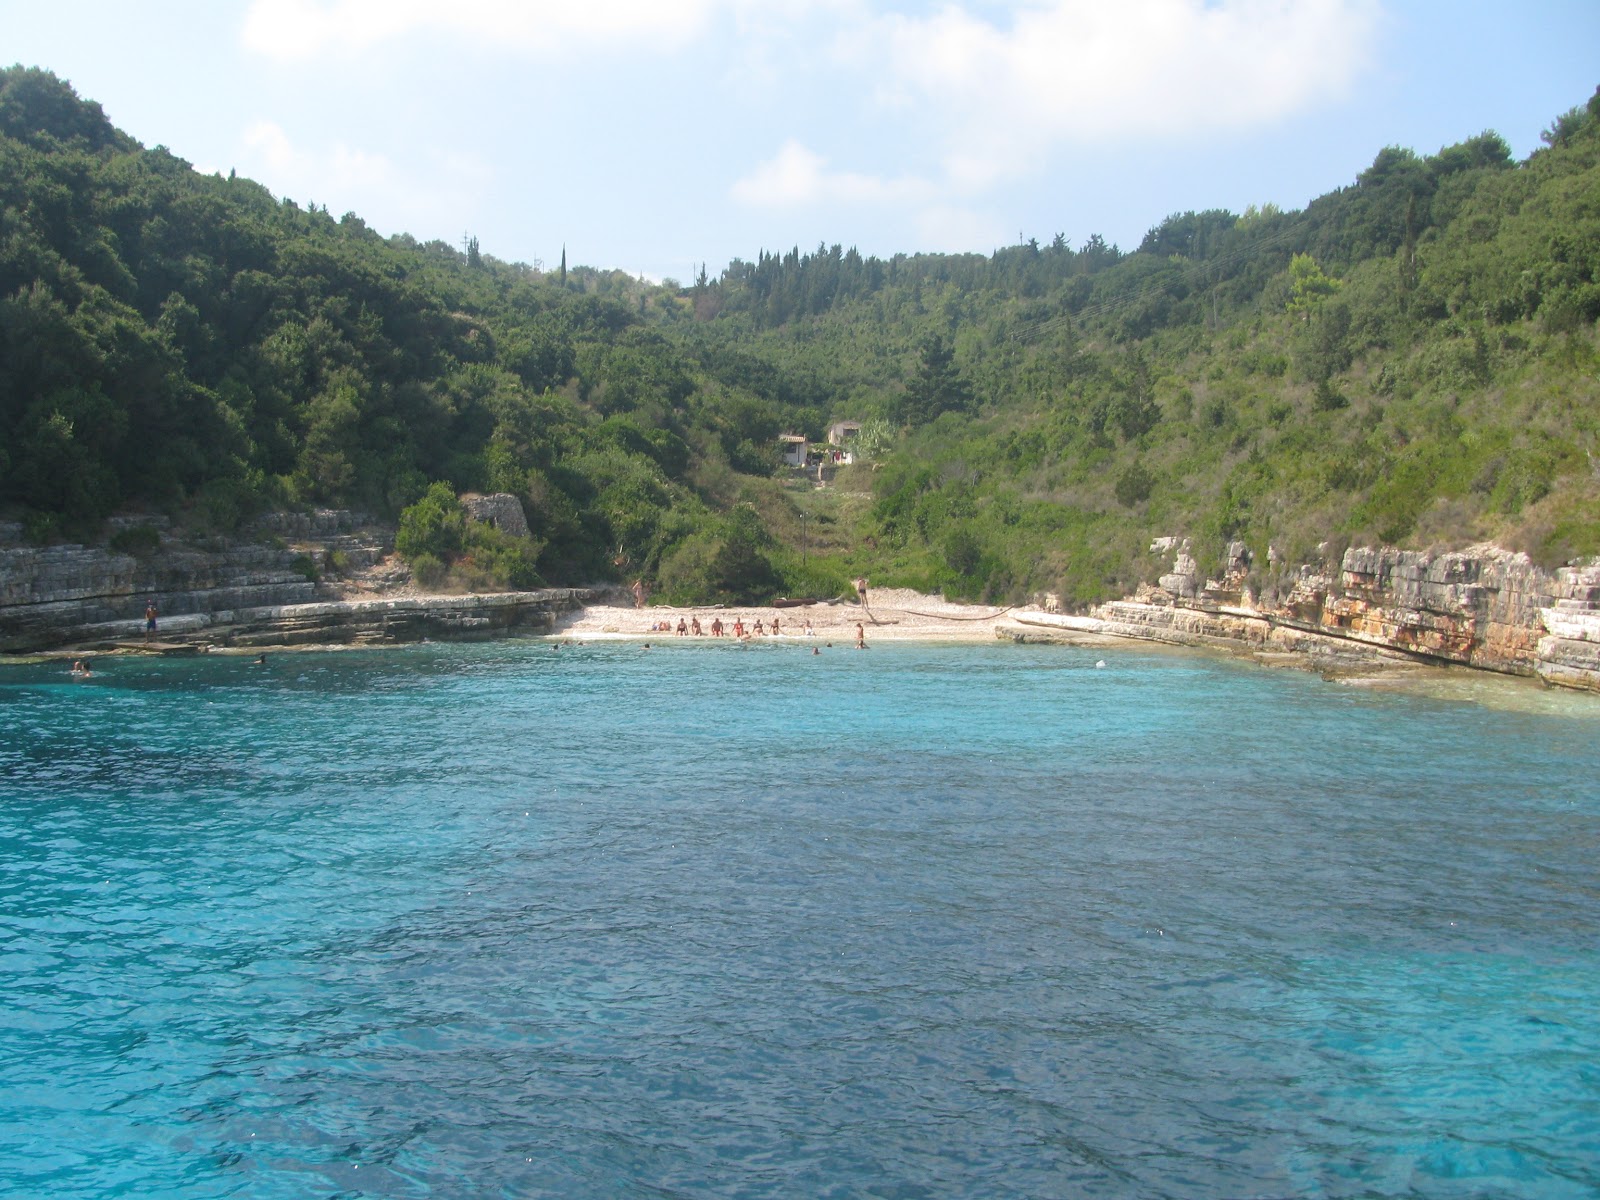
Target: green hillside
(1410, 359)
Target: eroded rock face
(1570, 653)
(1483, 607)
(380, 621)
(1184, 581)
(1479, 606)
(252, 591)
(57, 595)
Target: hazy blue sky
(653, 135)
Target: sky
(654, 136)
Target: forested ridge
(1410, 359)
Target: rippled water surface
(502, 920)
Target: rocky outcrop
(68, 594)
(500, 509)
(1479, 607)
(1187, 583)
(1184, 580)
(1482, 607)
(1569, 653)
(255, 591)
(57, 595)
(378, 621)
(1234, 630)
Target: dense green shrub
(137, 540)
(435, 525)
(444, 548)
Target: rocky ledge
(283, 583)
(1483, 607)
(350, 622)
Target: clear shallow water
(499, 920)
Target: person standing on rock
(149, 620)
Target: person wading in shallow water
(861, 637)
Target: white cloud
(1077, 71)
(269, 144)
(798, 177)
(430, 197)
(305, 29)
(338, 169)
(954, 229)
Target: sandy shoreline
(905, 616)
(890, 615)
(902, 615)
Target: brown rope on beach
(947, 617)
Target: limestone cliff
(1482, 607)
(55, 595)
(293, 579)
(64, 594)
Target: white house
(842, 433)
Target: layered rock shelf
(260, 590)
(367, 622)
(61, 595)
(1483, 607)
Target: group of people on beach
(691, 627)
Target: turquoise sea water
(506, 921)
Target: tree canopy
(1410, 358)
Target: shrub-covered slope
(1410, 359)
